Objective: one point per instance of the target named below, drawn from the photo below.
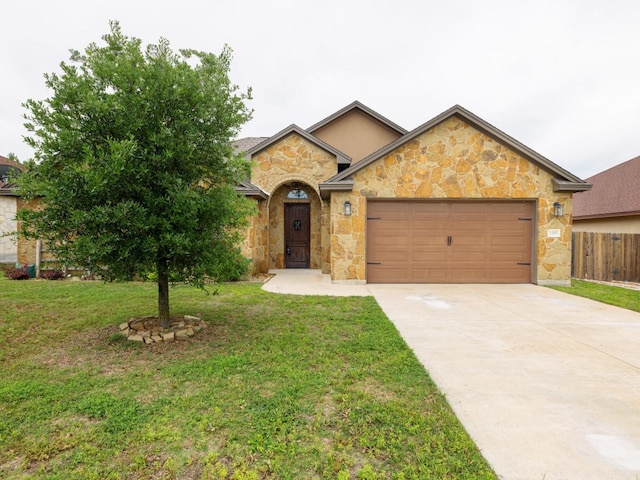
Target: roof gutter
(567, 186)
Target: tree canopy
(135, 163)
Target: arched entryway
(294, 227)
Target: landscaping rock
(147, 329)
(181, 334)
(169, 337)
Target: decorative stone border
(148, 331)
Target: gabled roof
(359, 106)
(564, 180)
(615, 192)
(341, 157)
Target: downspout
(38, 257)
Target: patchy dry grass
(276, 387)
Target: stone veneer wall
(293, 161)
(255, 245)
(452, 160)
(8, 246)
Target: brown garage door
(449, 242)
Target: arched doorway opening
(294, 227)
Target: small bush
(20, 273)
(52, 274)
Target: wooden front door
(297, 235)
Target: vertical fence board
(606, 256)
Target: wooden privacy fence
(606, 256)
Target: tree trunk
(163, 295)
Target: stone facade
(293, 162)
(454, 156)
(454, 161)
(8, 246)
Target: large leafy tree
(135, 165)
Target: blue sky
(560, 76)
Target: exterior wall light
(347, 208)
(558, 209)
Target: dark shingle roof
(615, 192)
(247, 143)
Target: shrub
(20, 273)
(52, 274)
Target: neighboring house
(613, 204)
(9, 204)
(364, 200)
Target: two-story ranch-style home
(453, 201)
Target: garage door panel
(428, 258)
(507, 241)
(468, 207)
(472, 225)
(479, 255)
(393, 225)
(432, 208)
(513, 256)
(449, 241)
(423, 241)
(382, 208)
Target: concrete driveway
(547, 384)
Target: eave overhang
(248, 189)
(342, 186)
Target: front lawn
(618, 296)
(276, 387)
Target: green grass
(618, 296)
(276, 387)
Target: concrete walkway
(547, 384)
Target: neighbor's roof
(563, 180)
(615, 192)
(6, 165)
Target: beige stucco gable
(357, 134)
